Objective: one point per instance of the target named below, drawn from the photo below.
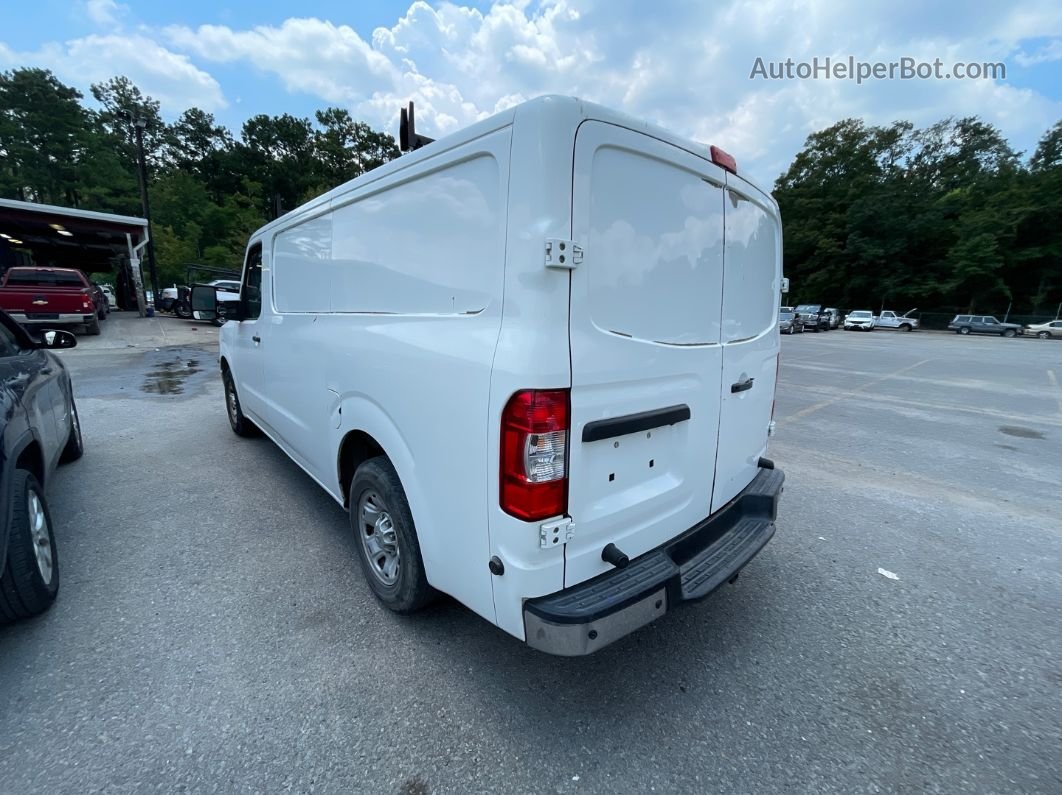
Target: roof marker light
(722, 159)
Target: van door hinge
(556, 533)
(564, 254)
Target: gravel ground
(214, 633)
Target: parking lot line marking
(837, 398)
(1054, 383)
(1031, 419)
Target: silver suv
(984, 324)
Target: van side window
(251, 294)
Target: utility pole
(139, 124)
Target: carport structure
(64, 237)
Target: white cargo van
(536, 361)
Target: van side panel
(532, 351)
(395, 338)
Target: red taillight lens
(723, 159)
(534, 454)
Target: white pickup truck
(888, 319)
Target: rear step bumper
(586, 617)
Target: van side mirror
(204, 301)
(55, 339)
(206, 306)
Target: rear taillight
(534, 454)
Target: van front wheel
(240, 425)
(386, 537)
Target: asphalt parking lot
(213, 631)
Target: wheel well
(357, 448)
(32, 460)
(224, 365)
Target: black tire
(24, 591)
(102, 314)
(92, 328)
(964, 330)
(240, 425)
(377, 480)
(1043, 335)
(905, 327)
(183, 310)
(75, 445)
(1010, 333)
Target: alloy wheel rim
(379, 538)
(234, 408)
(40, 536)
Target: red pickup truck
(51, 297)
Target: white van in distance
(536, 360)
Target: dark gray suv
(983, 324)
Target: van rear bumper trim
(586, 617)
(632, 423)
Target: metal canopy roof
(94, 240)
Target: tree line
(945, 217)
(209, 190)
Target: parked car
(789, 323)
(812, 317)
(49, 297)
(890, 320)
(168, 298)
(834, 315)
(859, 320)
(1052, 328)
(984, 324)
(39, 429)
(480, 401)
(99, 298)
(108, 293)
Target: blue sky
(685, 64)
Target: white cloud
(310, 55)
(683, 64)
(167, 76)
(1052, 51)
(105, 12)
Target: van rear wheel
(386, 538)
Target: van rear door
(645, 334)
(751, 283)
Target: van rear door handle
(742, 386)
(256, 338)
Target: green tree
(122, 103)
(42, 137)
(346, 148)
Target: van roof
(550, 112)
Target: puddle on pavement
(1019, 431)
(168, 378)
